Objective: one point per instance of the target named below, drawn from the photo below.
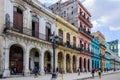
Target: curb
(90, 77)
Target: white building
(25, 36)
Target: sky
(105, 16)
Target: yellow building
(67, 51)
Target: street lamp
(114, 63)
(54, 39)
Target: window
(35, 26)
(18, 10)
(74, 41)
(72, 12)
(61, 35)
(18, 19)
(73, 24)
(68, 37)
(84, 46)
(48, 31)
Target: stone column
(26, 63)
(51, 69)
(42, 62)
(64, 62)
(71, 63)
(77, 62)
(6, 72)
(56, 58)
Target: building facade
(68, 46)
(76, 14)
(98, 35)
(107, 56)
(1, 30)
(113, 46)
(26, 32)
(95, 50)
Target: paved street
(68, 76)
(115, 76)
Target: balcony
(85, 51)
(85, 20)
(86, 33)
(26, 31)
(95, 55)
(69, 45)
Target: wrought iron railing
(84, 31)
(26, 31)
(70, 45)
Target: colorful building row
(26, 31)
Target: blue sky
(105, 16)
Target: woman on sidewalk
(99, 73)
(93, 71)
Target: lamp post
(54, 40)
(114, 63)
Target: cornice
(67, 24)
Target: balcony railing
(94, 54)
(85, 19)
(86, 51)
(26, 31)
(70, 45)
(84, 31)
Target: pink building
(84, 37)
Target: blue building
(107, 56)
(95, 50)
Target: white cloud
(88, 3)
(104, 12)
(114, 28)
(95, 24)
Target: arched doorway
(33, 59)
(84, 65)
(16, 59)
(60, 61)
(74, 64)
(68, 66)
(80, 63)
(47, 61)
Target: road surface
(115, 76)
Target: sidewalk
(68, 76)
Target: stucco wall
(1, 28)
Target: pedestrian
(36, 71)
(78, 71)
(45, 69)
(99, 73)
(57, 71)
(93, 71)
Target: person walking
(36, 71)
(93, 72)
(78, 71)
(99, 73)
